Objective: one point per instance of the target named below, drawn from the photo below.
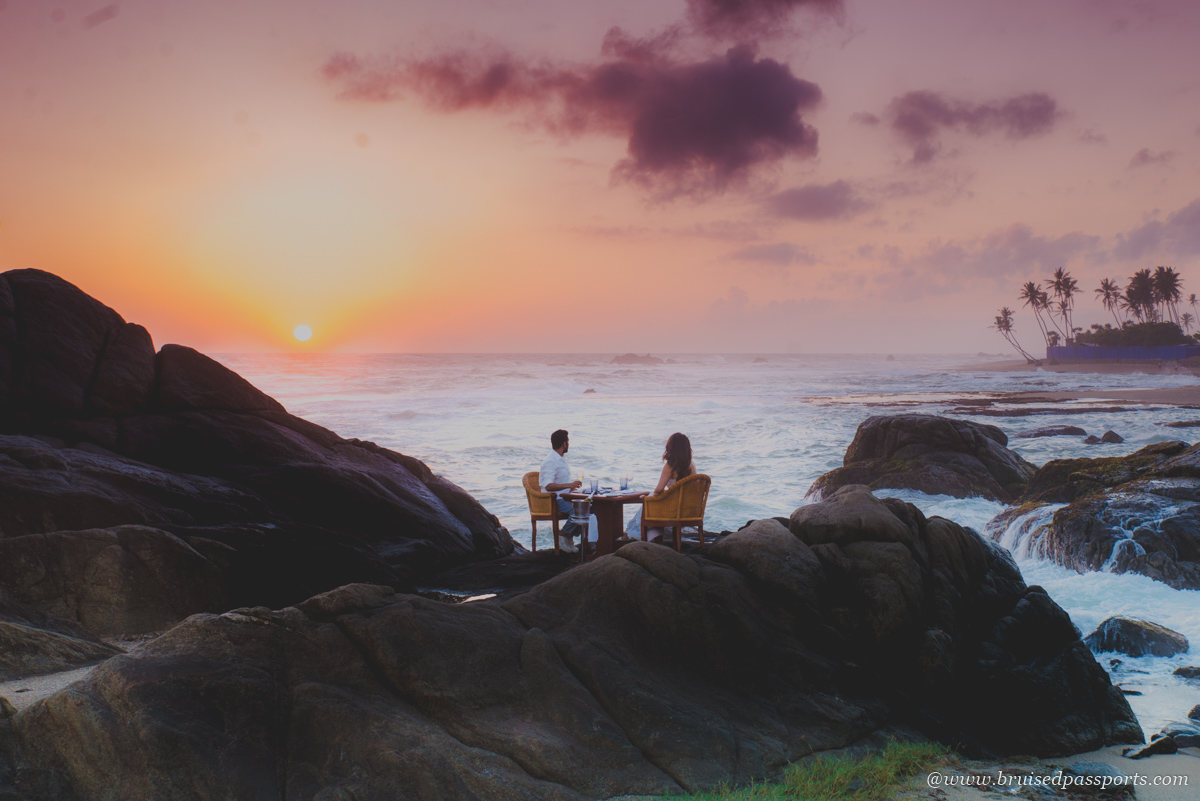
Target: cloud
(691, 128)
(1177, 236)
(1012, 253)
(1090, 137)
(726, 19)
(835, 201)
(919, 118)
(1144, 158)
(780, 254)
(865, 118)
(100, 16)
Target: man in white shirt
(555, 477)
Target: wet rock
(890, 358)
(759, 360)
(1185, 734)
(1187, 672)
(249, 505)
(1159, 745)
(644, 672)
(589, 392)
(1136, 638)
(935, 455)
(1052, 431)
(1194, 713)
(1112, 437)
(1092, 439)
(1181, 424)
(633, 358)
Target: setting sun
(303, 333)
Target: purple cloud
(692, 128)
(865, 118)
(1002, 256)
(100, 16)
(919, 118)
(726, 19)
(1090, 137)
(781, 254)
(1178, 236)
(1144, 158)
(835, 201)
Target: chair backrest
(684, 501)
(540, 503)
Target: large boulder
(239, 501)
(935, 455)
(643, 672)
(1126, 635)
(1131, 514)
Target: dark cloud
(692, 128)
(782, 254)
(1178, 236)
(865, 118)
(1144, 158)
(919, 118)
(726, 19)
(834, 201)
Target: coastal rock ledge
(931, 454)
(644, 672)
(137, 488)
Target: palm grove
(1146, 311)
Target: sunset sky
(659, 175)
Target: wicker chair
(682, 504)
(541, 506)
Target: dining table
(609, 509)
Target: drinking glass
(595, 485)
(624, 482)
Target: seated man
(556, 477)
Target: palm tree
(1110, 295)
(1004, 324)
(1140, 297)
(1036, 299)
(1167, 286)
(1064, 288)
(1187, 320)
(1192, 302)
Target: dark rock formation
(1184, 733)
(1136, 638)
(1181, 424)
(1158, 745)
(1194, 713)
(1112, 437)
(33, 642)
(935, 455)
(233, 501)
(633, 358)
(1052, 431)
(1187, 672)
(644, 672)
(1154, 492)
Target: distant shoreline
(1100, 366)
(1171, 396)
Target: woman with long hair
(677, 464)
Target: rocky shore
(145, 491)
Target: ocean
(763, 426)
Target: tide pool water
(764, 427)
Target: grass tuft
(873, 778)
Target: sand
(24, 693)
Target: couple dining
(555, 477)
